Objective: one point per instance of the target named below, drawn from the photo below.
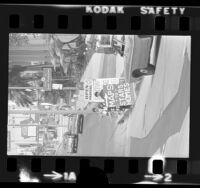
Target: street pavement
(99, 131)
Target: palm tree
(21, 97)
(54, 58)
(16, 80)
(17, 39)
(58, 54)
(60, 43)
(56, 51)
(14, 76)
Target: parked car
(141, 56)
(80, 123)
(118, 43)
(70, 142)
(76, 123)
(143, 45)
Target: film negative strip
(99, 94)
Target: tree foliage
(15, 78)
(17, 39)
(21, 97)
(20, 39)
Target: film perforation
(157, 166)
(60, 165)
(160, 23)
(36, 164)
(135, 23)
(182, 167)
(133, 166)
(14, 21)
(87, 22)
(62, 21)
(38, 21)
(109, 166)
(111, 22)
(11, 164)
(92, 176)
(84, 164)
(49, 164)
(184, 23)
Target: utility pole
(38, 125)
(64, 88)
(31, 87)
(62, 112)
(70, 88)
(60, 79)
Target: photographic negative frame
(180, 23)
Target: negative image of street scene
(98, 95)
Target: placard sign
(117, 95)
(57, 86)
(88, 90)
(91, 86)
